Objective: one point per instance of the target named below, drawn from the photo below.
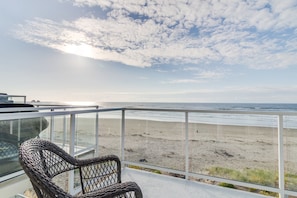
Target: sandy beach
(163, 144)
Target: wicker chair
(99, 177)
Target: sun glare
(80, 103)
(80, 50)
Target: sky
(150, 50)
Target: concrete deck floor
(155, 186)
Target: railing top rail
(215, 111)
(21, 96)
(38, 108)
(23, 115)
(5, 115)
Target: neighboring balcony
(177, 153)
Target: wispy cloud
(200, 73)
(226, 94)
(258, 34)
(182, 81)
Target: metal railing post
(187, 143)
(40, 125)
(97, 133)
(281, 179)
(11, 126)
(71, 152)
(52, 124)
(64, 130)
(19, 130)
(123, 136)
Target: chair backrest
(41, 161)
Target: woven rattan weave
(99, 177)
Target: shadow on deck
(155, 185)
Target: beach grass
(145, 169)
(291, 181)
(256, 176)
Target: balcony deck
(156, 185)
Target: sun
(80, 50)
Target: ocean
(212, 118)
(208, 106)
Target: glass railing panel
(156, 139)
(57, 131)
(12, 134)
(236, 147)
(290, 152)
(85, 134)
(110, 133)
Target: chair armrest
(127, 189)
(98, 160)
(100, 172)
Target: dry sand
(162, 144)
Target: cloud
(227, 94)
(183, 81)
(257, 34)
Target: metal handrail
(23, 115)
(42, 108)
(95, 108)
(289, 113)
